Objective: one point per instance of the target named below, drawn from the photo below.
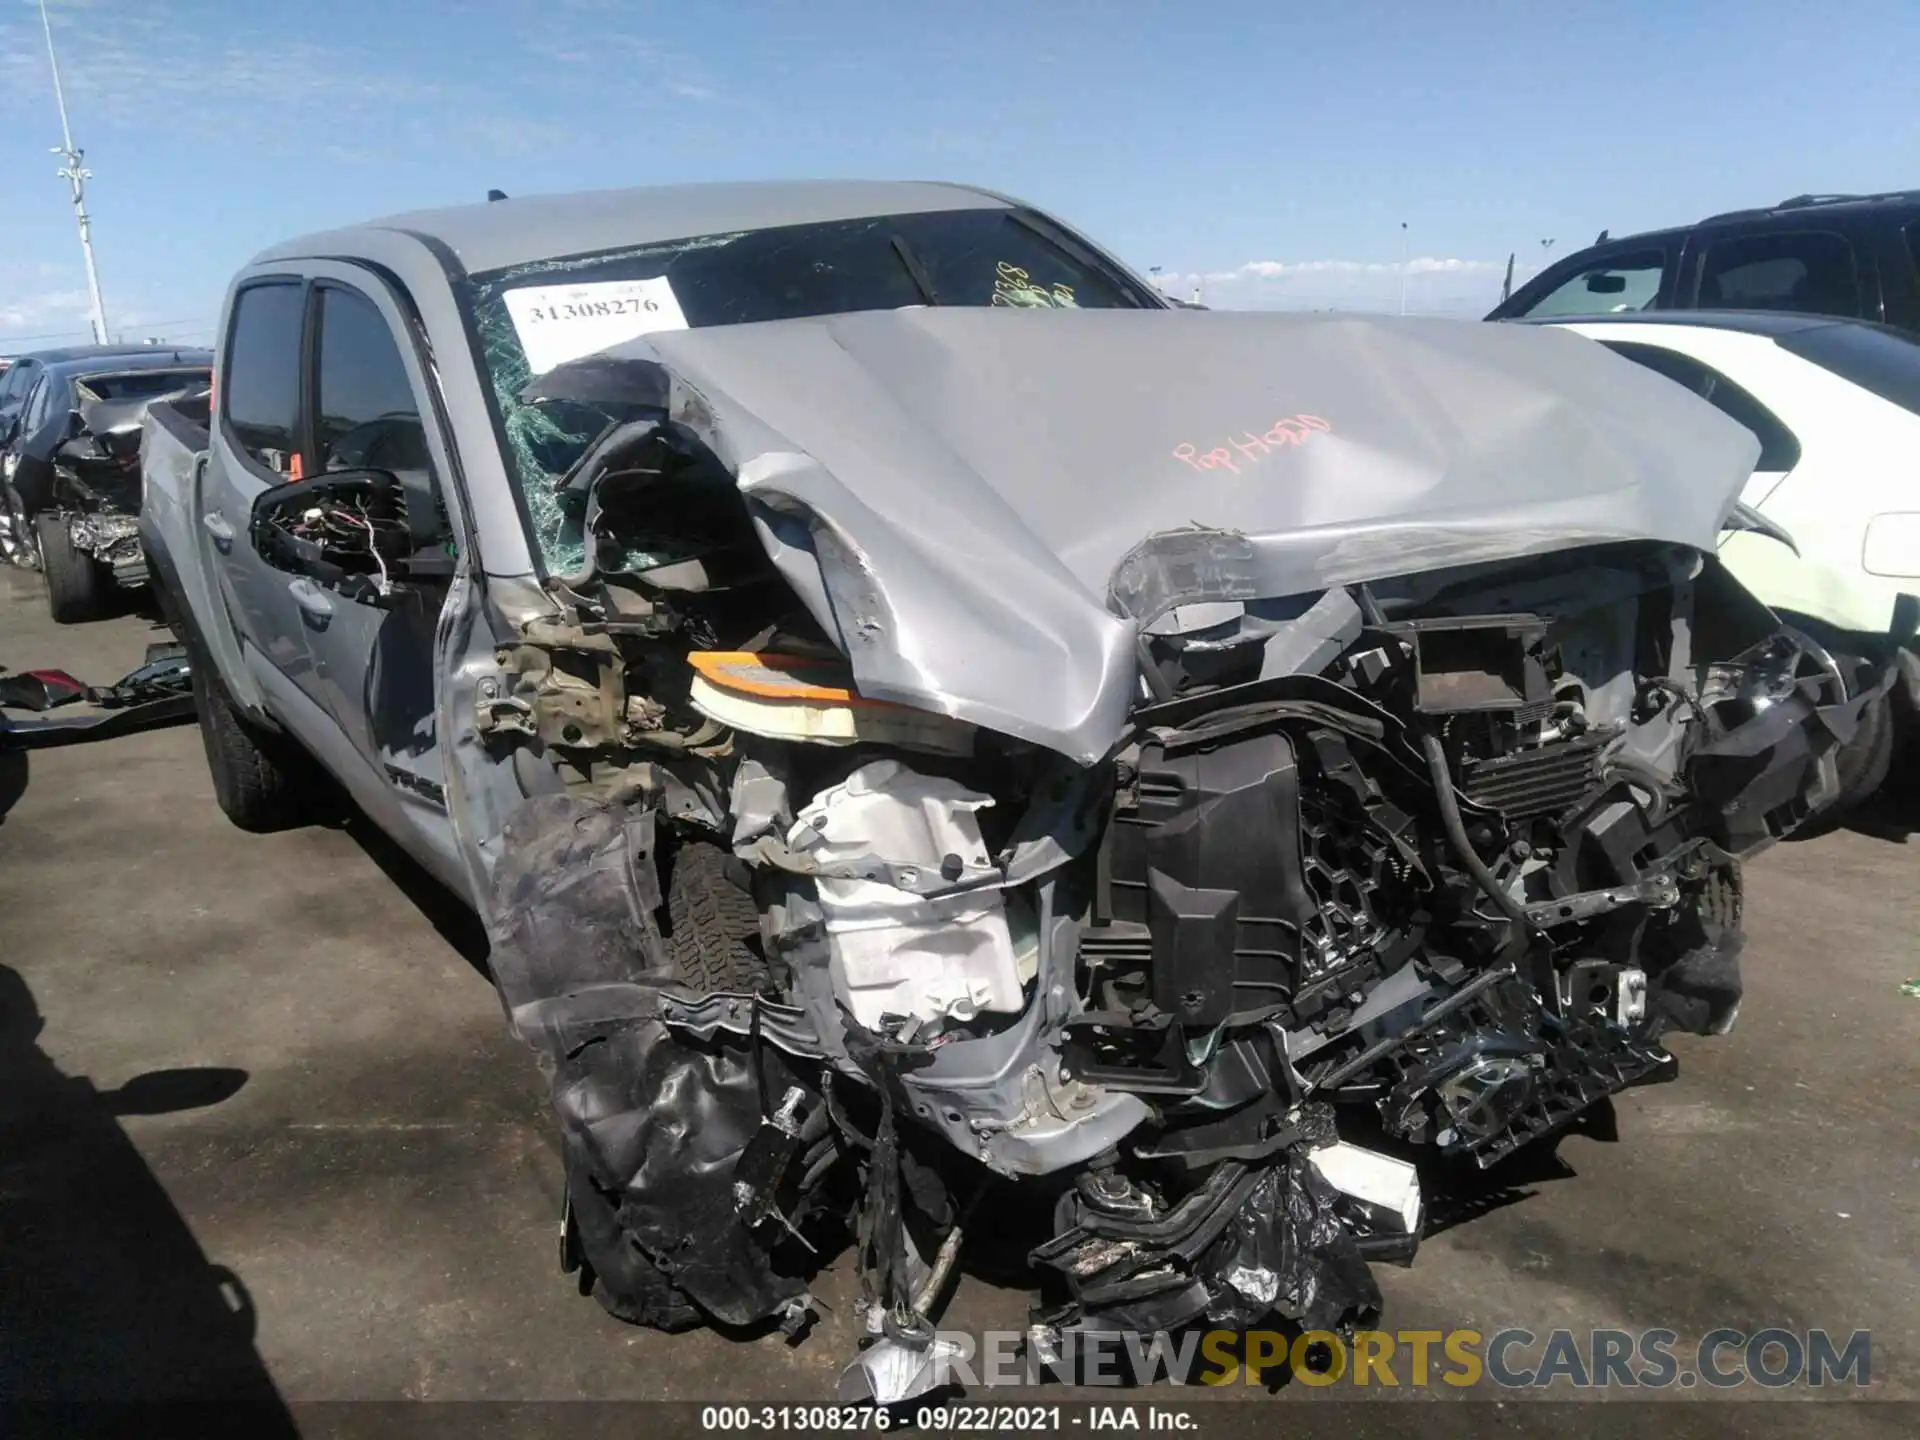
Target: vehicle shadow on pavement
(1892, 813)
(13, 780)
(444, 910)
(108, 1302)
(1458, 1192)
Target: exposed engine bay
(1421, 863)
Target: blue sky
(1272, 148)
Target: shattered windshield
(535, 316)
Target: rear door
(15, 386)
(1899, 251)
(43, 426)
(1810, 269)
(37, 432)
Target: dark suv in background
(1850, 255)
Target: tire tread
(77, 588)
(260, 781)
(713, 926)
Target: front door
(373, 664)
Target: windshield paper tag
(558, 323)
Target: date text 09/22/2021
(954, 1418)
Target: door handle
(314, 605)
(221, 531)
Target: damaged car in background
(72, 488)
(956, 755)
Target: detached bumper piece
(159, 693)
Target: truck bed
(172, 442)
(186, 420)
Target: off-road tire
(712, 924)
(78, 586)
(614, 1270)
(262, 782)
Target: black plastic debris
(40, 690)
(159, 692)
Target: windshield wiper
(921, 280)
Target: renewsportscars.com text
(1513, 1358)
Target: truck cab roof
(492, 235)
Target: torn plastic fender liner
(1248, 1243)
(1287, 1250)
(674, 1120)
(581, 969)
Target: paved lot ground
(350, 1192)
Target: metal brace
(1661, 892)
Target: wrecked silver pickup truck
(936, 733)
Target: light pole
(76, 175)
(1403, 267)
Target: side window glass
(37, 404)
(369, 418)
(14, 384)
(1618, 283)
(1779, 450)
(260, 382)
(1913, 250)
(1808, 271)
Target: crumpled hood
(985, 505)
